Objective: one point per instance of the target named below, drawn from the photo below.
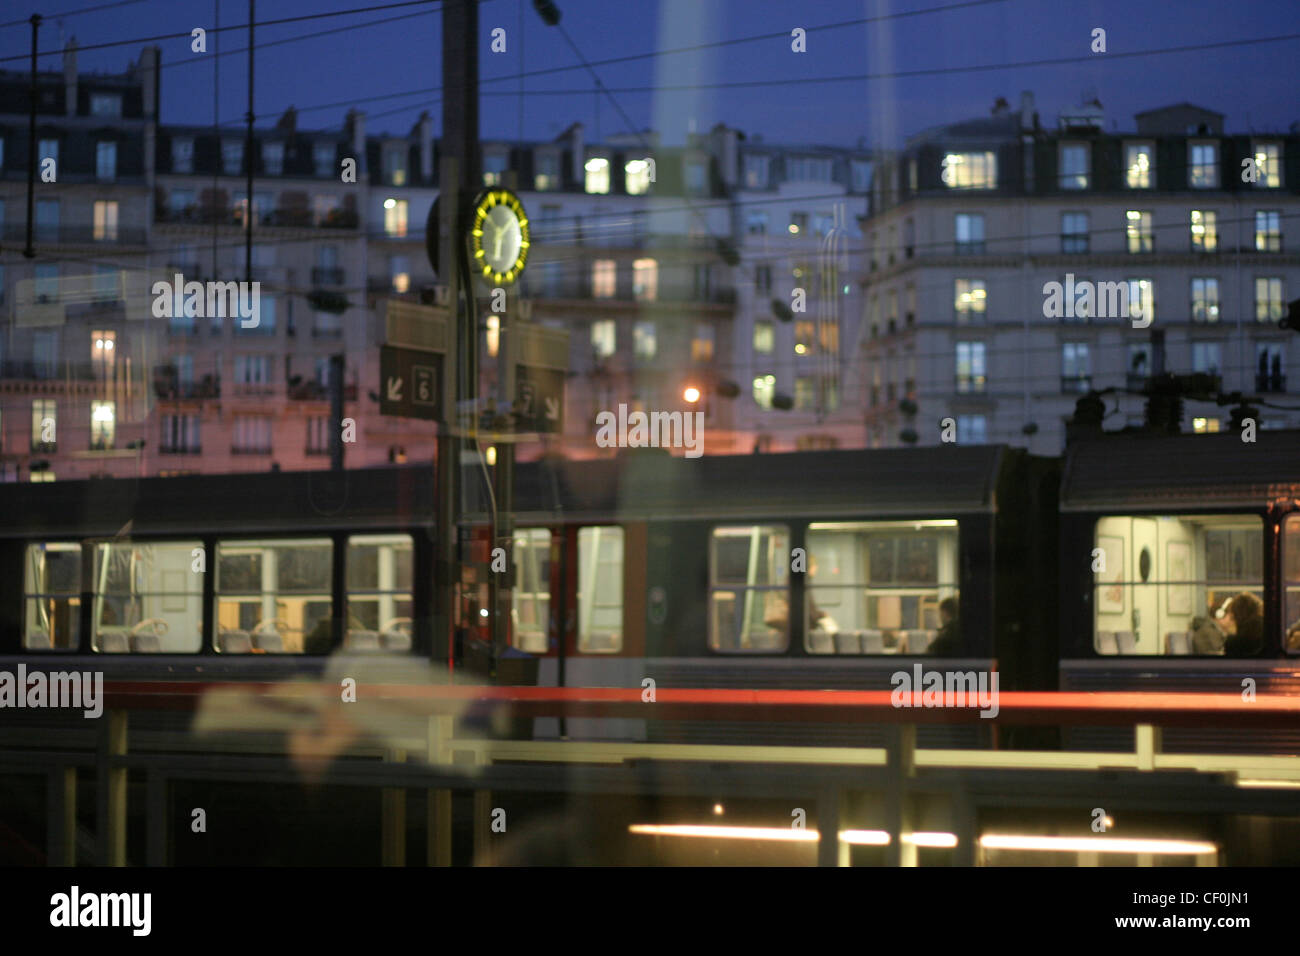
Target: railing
(1270, 383)
(166, 385)
(288, 218)
(49, 372)
(16, 231)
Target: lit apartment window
(764, 389)
(828, 335)
(972, 429)
(764, 337)
(969, 229)
(103, 352)
(1205, 357)
(1141, 299)
(395, 217)
(1201, 426)
(103, 425)
(644, 344)
(399, 271)
(804, 336)
(322, 155)
(273, 158)
(1268, 162)
(757, 171)
(105, 104)
(645, 280)
(805, 393)
(1074, 232)
(105, 221)
(1139, 165)
(232, 156)
(1074, 166)
(636, 174)
(1205, 230)
(970, 367)
(1270, 375)
(969, 299)
(604, 337)
(1203, 165)
(1205, 299)
(182, 155)
(395, 165)
(1268, 230)
(546, 175)
(105, 161)
(45, 421)
(597, 179)
(1138, 227)
(798, 223)
(1268, 299)
(970, 170)
(702, 343)
(603, 279)
(494, 169)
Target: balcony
(167, 449)
(166, 385)
(1270, 383)
(314, 390)
(16, 231)
(327, 275)
(48, 371)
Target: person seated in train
(1292, 643)
(947, 643)
(776, 609)
(1207, 633)
(1244, 622)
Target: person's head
(1243, 610)
(948, 609)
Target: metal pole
(248, 158)
(445, 620)
(30, 251)
(337, 366)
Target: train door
(1145, 614)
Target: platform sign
(410, 382)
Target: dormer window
(756, 171)
(106, 104)
(696, 177)
(232, 156)
(273, 158)
(597, 180)
(1074, 166)
(183, 155)
(546, 176)
(637, 173)
(1203, 165)
(494, 168)
(322, 155)
(395, 165)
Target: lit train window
(52, 587)
(531, 596)
(882, 587)
(274, 596)
(749, 589)
(1178, 584)
(147, 598)
(600, 590)
(1291, 585)
(379, 593)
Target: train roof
(1149, 472)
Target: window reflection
(273, 596)
(600, 590)
(148, 599)
(749, 593)
(52, 590)
(1291, 585)
(531, 598)
(379, 577)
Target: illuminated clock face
(499, 236)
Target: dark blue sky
(1256, 85)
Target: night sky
(1254, 85)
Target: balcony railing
(48, 371)
(1270, 383)
(16, 231)
(314, 390)
(285, 218)
(167, 386)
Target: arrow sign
(422, 368)
(552, 408)
(394, 389)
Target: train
(1106, 568)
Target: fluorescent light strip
(789, 834)
(1009, 841)
(1271, 784)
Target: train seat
(821, 642)
(1107, 643)
(1127, 641)
(918, 642)
(146, 644)
(396, 640)
(1178, 642)
(362, 641)
(114, 642)
(269, 641)
(873, 642)
(37, 641)
(847, 642)
(234, 642)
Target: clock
(498, 236)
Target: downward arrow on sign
(394, 389)
(552, 409)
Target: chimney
(1027, 115)
(355, 126)
(578, 148)
(425, 127)
(727, 152)
(150, 76)
(70, 76)
(288, 121)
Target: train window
(274, 596)
(882, 587)
(52, 588)
(148, 598)
(1291, 585)
(600, 590)
(531, 596)
(749, 590)
(1163, 584)
(379, 575)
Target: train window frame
(392, 633)
(1214, 589)
(151, 627)
(1290, 590)
(532, 584)
(73, 598)
(780, 590)
(894, 639)
(240, 646)
(584, 635)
